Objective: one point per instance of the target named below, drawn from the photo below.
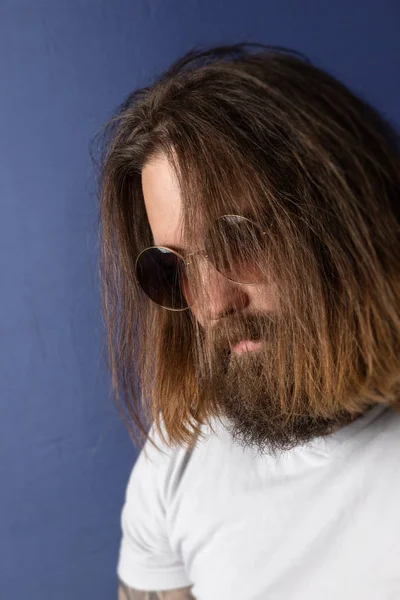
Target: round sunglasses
(164, 275)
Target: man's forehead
(163, 202)
(162, 199)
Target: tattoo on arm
(127, 593)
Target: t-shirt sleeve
(146, 560)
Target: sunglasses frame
(186, 262)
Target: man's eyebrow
(247, 213)
(178, 249)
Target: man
(250, 259)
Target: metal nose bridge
(202, 254)
(199, 253)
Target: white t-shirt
(321, 522)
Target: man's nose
(216, 296)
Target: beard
(245, 389)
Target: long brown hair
(320, 171)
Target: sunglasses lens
(160, 273)
(232, 244)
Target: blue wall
(65, 455)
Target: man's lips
(245, 345)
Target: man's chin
(256, 415)
(245, 388)
(268, 435)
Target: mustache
(233, 329)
